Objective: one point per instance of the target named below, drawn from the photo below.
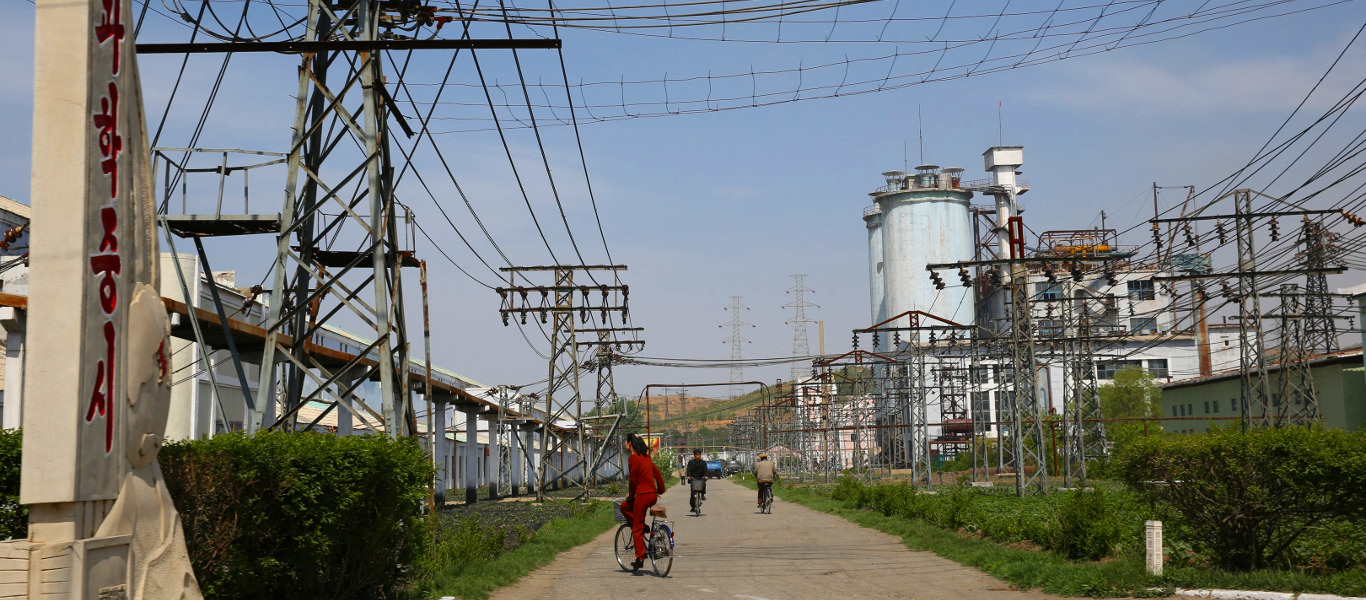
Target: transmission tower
(1296, 403)
(1319, 327)
(800, 346)
(557, 302)
(737, 371)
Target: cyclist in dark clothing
(697, 469)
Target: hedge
(301, 515)
(1289, 497)
(13, 516)
(1077, 524)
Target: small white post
(1153, 540)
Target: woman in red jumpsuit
(644, 486)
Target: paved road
(732, 551)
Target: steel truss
(556, 303)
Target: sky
(722, 203)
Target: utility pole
(800, 345)
(736, 340)
(1258, 405)
(1319, 325)
(557, 302)
(338, 251)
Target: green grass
(476, 579)
(1028, 569)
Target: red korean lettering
(106, 267)
(102, 397)
(111, 142)
(110, 27)
(109, 220)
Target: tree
(1133, 393)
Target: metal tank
(872, 218)
(925, 220)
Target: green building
(1191, 405)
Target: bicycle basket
(698, 485)
(616, 511)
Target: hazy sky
(731, 203)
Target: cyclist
(644, 486)
(764, 473)
(697, 469)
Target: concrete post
(533, 461)
(12, 319)
(515, 460)
(495, 452)
(471, 466)
(444, 460)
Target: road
(732, 551)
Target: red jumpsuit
(644, 485)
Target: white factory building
(928, 217)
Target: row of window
(1139, 290)
(1047, 327)
(1212, 406)
(1104, 370)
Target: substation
(986, 342)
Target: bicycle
(766, 504)
(659, 539)
(698, 488)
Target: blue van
(715, 469)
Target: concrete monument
(102, 525)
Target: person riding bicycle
(697, 470)
(644, 485)
(764, 473)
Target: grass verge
(475, 579)
(1029, 569)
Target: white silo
(872, 218)
(925, 220)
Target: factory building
(929, 217)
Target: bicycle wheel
(626, 547)
(661, 552)
(768, 502)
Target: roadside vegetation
(1280, 510)
(488, 545)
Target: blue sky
(705, 206)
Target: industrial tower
(801, 347)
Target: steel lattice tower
(1318, 326)
(736, 340)
(313, 283)
(1255, 385)
(1296, 403)
(801, 346)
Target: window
(1048, 291)
(1050, 326)
(981, 406)
(981, 374)
(1216, 406)
(1207, 407)
(1233, 404)
(1143, 325)
(1005, 403)
(1142, 289)
(1158, 368)
(1107, 370)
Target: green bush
(1078, 525)
(1086, 527)
(1245, 501)
(13, 516)
(301, 515)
